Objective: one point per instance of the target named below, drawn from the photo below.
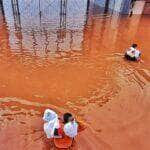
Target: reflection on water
(40, 27)
(43, 28)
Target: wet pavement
(73, 64)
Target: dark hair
(66, 117)
(134, 45)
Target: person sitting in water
(132, 53)
(70, 128)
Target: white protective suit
(51, 122)
(71, 129)
(132, 52)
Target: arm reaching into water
(81, 124)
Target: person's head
(67, 117)
(134, 45)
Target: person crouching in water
(69, 130)
(62, 131)
(70, 125)
(132, 53)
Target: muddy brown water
(85, 74)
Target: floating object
(63, 143)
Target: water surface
(73, 63)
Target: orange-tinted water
(89, 78)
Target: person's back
(51, 123)
(71, 129)
(70, 125)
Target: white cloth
(132, 52)
(71, 129)
(137, 54)
(51, 122)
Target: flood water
(73, 63)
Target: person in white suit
(133, 53)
